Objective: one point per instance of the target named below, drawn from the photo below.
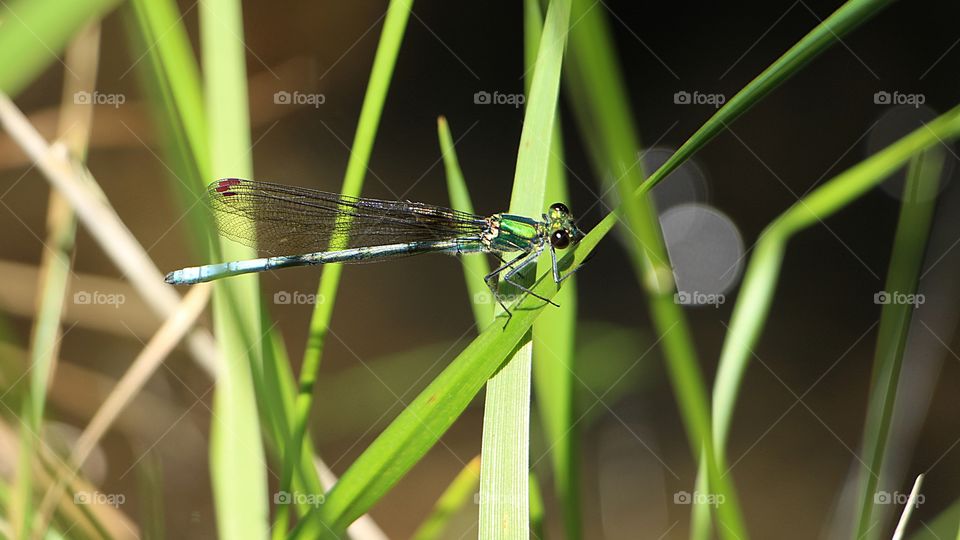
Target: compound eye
(560, 207)
(560, 239)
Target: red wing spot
(224, 185)
(227, 193)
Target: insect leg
(530, 258)
(492, 285)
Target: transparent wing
(288, 220)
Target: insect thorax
(511, 233)
(491, 231)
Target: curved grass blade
(34, 32)
(753, 302)
(430, 414)
(421, 424)
(599, 99)
(846, 18)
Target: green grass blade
(756, 293)
(237, 458)
(850, 15)
(602, 109)
(537, 512)
(474, 268)
(384, 62)
(34, 32)
(82, 60)
(415, 430)
(172, 82)
(909, 245)
(505, 454)
(150, 492)
(457, 495)
(279, 391)
(421, 424)
(827, 33)
(386, 58)
(408, 438)
(21, 509)
(504, 465)
(554, 335)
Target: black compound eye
(560, 239)
(560, 207)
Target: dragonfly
(299, 226)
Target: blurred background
(396, 325)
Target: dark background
(791, 457)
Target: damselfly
(300, 227)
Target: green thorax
(517, 232)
